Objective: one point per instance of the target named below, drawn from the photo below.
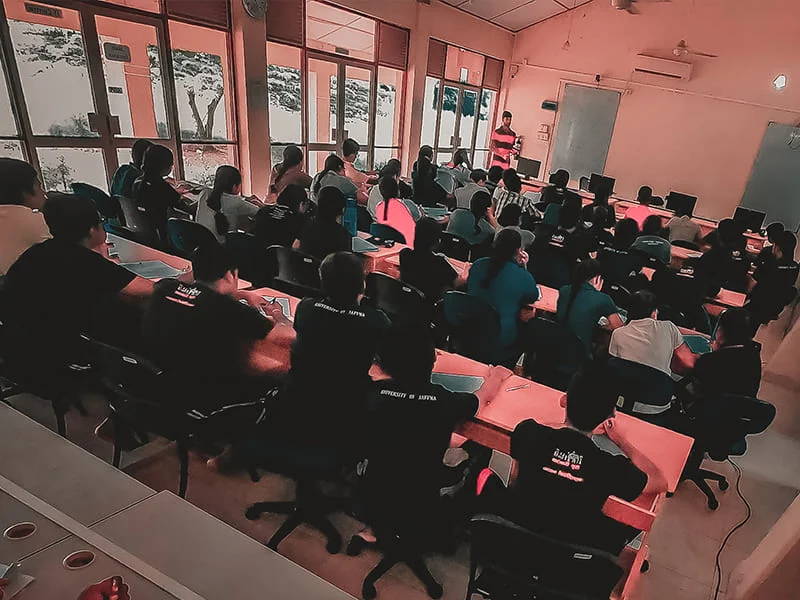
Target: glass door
(457, 110)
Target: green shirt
(587, 309)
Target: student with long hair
(289, 172)
(392, 211)
(393, 168)
(152, 192)
(476, 225)
(333, 175)
(325, 234)
(581, 304)
(422, 267)
(503, 280)
(423, 178)
(460, 166)
(222, 209)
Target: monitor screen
(597, 182)
(528, 168)
(751, 220)
(676, 200)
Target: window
(148, 5)
(388, 116)
(61, 167)
(340, 32)
(285, 94)
(10, 146)
(484, 133)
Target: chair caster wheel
(368, 592)
(724, 485)
(713, 504)
(252, 513)
(435, 591)
(355, 546)
(645, 566)
(333, 546)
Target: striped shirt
(503, 197)
(503, 140)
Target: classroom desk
(208, 556)
(725, 298)
(14, 512)
(374, 260)
(60, 473)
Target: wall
(699, 137)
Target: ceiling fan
(682, 49)
(628, 5)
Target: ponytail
(225, 179)
(478, 206)
(583, 271)
(506, 246)
(333, 164)
(389, 190)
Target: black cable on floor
(717, 566)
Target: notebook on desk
(362, 245)
(285, 306)
(697, 343)
(466, 384)
(435, 211)
(603, 442)
(152, 269)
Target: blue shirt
(512, 289)
(587, 309)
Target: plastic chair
(364, 220)
(619, 294)
(136, 222)
(474, 326)
(401, 302)
(296, 273)
(454, 246)
(514, 562)
(106, 205)
(187, 236)
(720, 425)
(250, 255)
(553, 353)
(643, 391)
(385, 232)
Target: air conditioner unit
(651, 69)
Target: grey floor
(684, 541)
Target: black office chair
(643, 391)
(478, 251)
(583, 184)
(454, 246)
(550, 265)
(364, 219)
(553, 353)
(107, 206)
(619, 294)
(648, 260)
(720, 426)
(686, 244)
(474, 327)
(140, 229)
(401, 302)
(619, 266)
(514, 562)
(296, 273)
(187, 236)
(250, 254)
(385, 232)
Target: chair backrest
(648, 260)
(685, 244)
(640, 388)
(401, 302)
(553, 353)
(296, 273)
(619, 294)
(188, 236)
(136, 221)
(724, 421)
(474, 324)
(478, 251)
(529, 565)
(105, 206)
(364, 220)
(446, 179)
(550, 265)
(250, 254)
(583, 183)
(454, 246)
(386, 232)
(619, 265)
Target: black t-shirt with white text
(320, 238)
(428, 272)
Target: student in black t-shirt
(557, 191)
(325, 234)
(409, 425)
(152, 192)
(561, 478)
(66, 285)
(773, 231)
(774, 282)
(281, 223)
(422, 267)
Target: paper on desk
(152, 269)
(697, 344)
(604, 443)
(360, 245)
(17, 582)
(285, 306)
(467, 384)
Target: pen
(518, 387)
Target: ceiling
(515, 14)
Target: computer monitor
(600, 182)
(749, 219)
(528, 168)
(676, 201)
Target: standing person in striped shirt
(502, 144)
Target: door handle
(113, 125)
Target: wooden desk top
(13, 512)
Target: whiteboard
(774, 185)
(585, 127)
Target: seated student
(324, 234)
(421, 267)
(727, 261)
(493, 177)
(569, 234)
(619, 264)
(427, 192)
(59, 288)
(476, 225)
(560, 479)
(400, 485)
(324, 399)
(642, 210)
(649, 342)
(597, 230)
(289, 172)
(557, 191)
(392, 169)
(152, 192)
(601, 197)
(392, 211)
(510, 219)
(477, 184)
(511, 193)
(503, 280)
(773, 231)
(685, 290)
(21, 200)
(126, 175)
(222, 208)
(333, 176)
(774, 282)
(581, 304)
(350, 150)
(282, 222)
(651, 242)
(682, 228)
(460, 166)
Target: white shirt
(647, 342)
(20, 228)
(233, 207)
(683, 228)
(464, 194)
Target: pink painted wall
(700, 136)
